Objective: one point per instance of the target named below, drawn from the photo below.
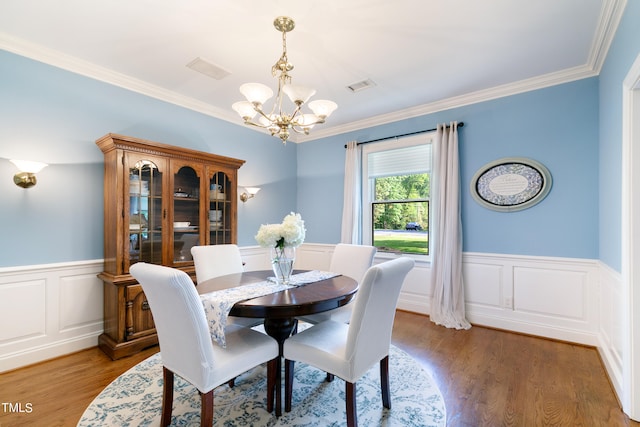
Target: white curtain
(352, 206)
(447, 290)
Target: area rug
(135, 399)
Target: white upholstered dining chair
(352, 261)
(349, 350)
(219, 260)
(216, 260)
(186, 347)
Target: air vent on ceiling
(365, 84)
(208, 69)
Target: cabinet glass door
(220, 211)
(186, 213)
(145, 213)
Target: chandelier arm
(295, 112)
(258, 125)
(299, 130)
(318, 121)
(262, 113)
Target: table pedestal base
(280, 330)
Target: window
(396, 187)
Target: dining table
(280, 309)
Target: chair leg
(167, 396)
(278, 386)
(271, 383)
(352, 415)
(384, 382)
(206, 411)
(289, 366)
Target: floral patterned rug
(134, 399)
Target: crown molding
(78, 66)
(535, 83)
(610, 16)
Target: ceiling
(422, 55)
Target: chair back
(373, 313)
(216, 260)
(181, 324)
(352, 260)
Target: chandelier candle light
(277, 121)
(282, 241)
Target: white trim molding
(630, 239)
(611, 330)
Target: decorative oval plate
(511, 184)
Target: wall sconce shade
(26, 178)
(249, 193)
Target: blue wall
(51, 115)
(556, 126)
(622, 53)
(55, 116)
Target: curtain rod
(461, 124)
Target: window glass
(396, 184)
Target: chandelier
(277, 121)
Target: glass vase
(282, 263)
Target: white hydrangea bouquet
(282, 239)
(290, 233)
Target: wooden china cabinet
(159, 201)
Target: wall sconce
(26, 178)
(249, 193)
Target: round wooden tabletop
(302, 300)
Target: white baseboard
(37, 354)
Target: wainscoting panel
(80, 300)
(549, 297)
(484, 285)
(24, 321)
(48, 311)
(557, 293)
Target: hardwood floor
(487, 378)
(59, 390)
(496, 378)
